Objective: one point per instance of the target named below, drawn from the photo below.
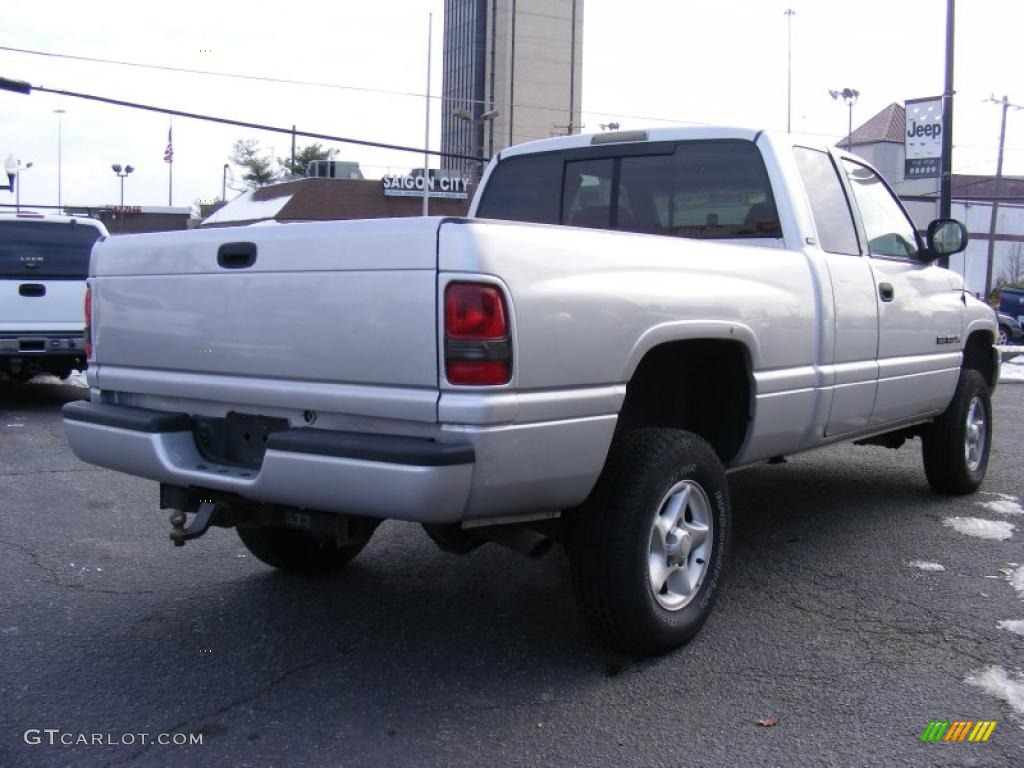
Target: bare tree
(1012, 273)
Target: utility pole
(789, 13)
(293, 147)
(60, 143)
(993, 221)
(946, 163)
(426, 139)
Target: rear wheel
(296, 551)
(650, 545)
(957, 444)
(1004, 335)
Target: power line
(26, 88)
(316, 84)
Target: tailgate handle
(236, 255)
(32, 289)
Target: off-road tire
(945, 440)
(611, 540)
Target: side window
(888, 229)
(587, 197)
(524, 189)
(703, 190)
(829, 205)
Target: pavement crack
(55, 574)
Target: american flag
(169, 152)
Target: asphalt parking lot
(830, 624)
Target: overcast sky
(644, 62)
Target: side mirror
(945, 237)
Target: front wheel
(650, 545)
(957, 444)
(1004, 335)
(296, 551)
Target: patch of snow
(76, 379)
(1003, 507)
(1014, 625)
(1011, 348)
(1017, 582)
(244, 208)
(997, 682)
(983, 529)
(1012, 370)
(925, 565)
(1006, 496)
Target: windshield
(699, 189)
(36, 250)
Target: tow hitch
(214, 508)
(181, 502)
(181, 533)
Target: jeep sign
(923, 138)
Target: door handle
(32, 289)
(886, 291)
(236, 255)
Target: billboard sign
(923, 138)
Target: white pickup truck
(622, 319)
(44, 261)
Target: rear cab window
(45, 250)
(695, 189)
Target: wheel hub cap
(680, 545)
(974, 440)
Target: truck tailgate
(348, 302)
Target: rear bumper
(381, 476)
(42, 344)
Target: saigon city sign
(450, 188)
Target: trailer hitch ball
(180, 533)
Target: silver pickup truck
(622, 319)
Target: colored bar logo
(958, 730)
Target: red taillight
(477, 347)
(474, 311)
(88, 322)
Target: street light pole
(789, 13)
(849, 96)
(122, 174)
(224, 184)
(60, 143)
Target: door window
(829, 205)
(889, 231)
